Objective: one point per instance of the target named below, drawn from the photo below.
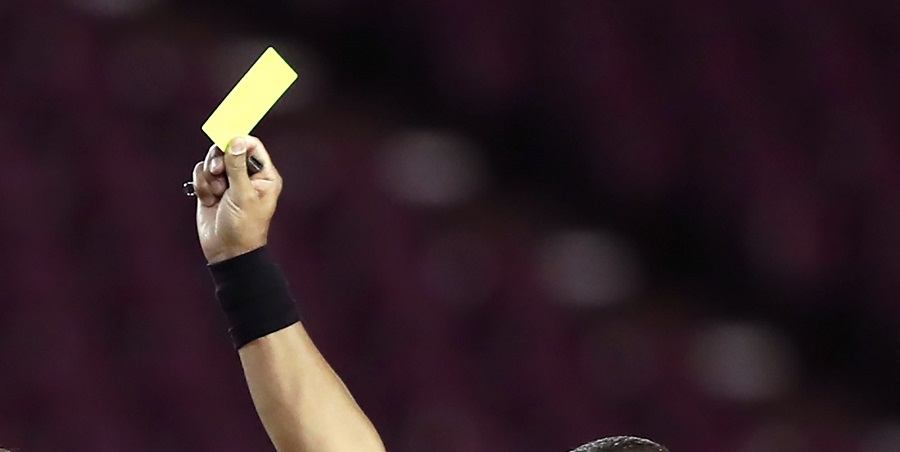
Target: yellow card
(250, 100)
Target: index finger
(213, 162)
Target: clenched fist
(234, 209)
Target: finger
(202, 187)
(236, 167)
(217, 185)
(214, 171)
(217, 165)
(214, 168)
(213, 162)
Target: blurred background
(510, 225)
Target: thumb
(236, 166)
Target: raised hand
(234, 209)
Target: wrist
(254, 295)
(232, 252)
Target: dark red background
(652, 199)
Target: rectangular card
(250, 100)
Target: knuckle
(198, 172)
(201, 188)
(236, 161)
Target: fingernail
(238, 147)
(215, 165)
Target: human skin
(303, 404)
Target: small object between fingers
(188, 189)
(253, 166)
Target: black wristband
(254, 296)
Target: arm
(302, 403)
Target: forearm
(302, 403)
